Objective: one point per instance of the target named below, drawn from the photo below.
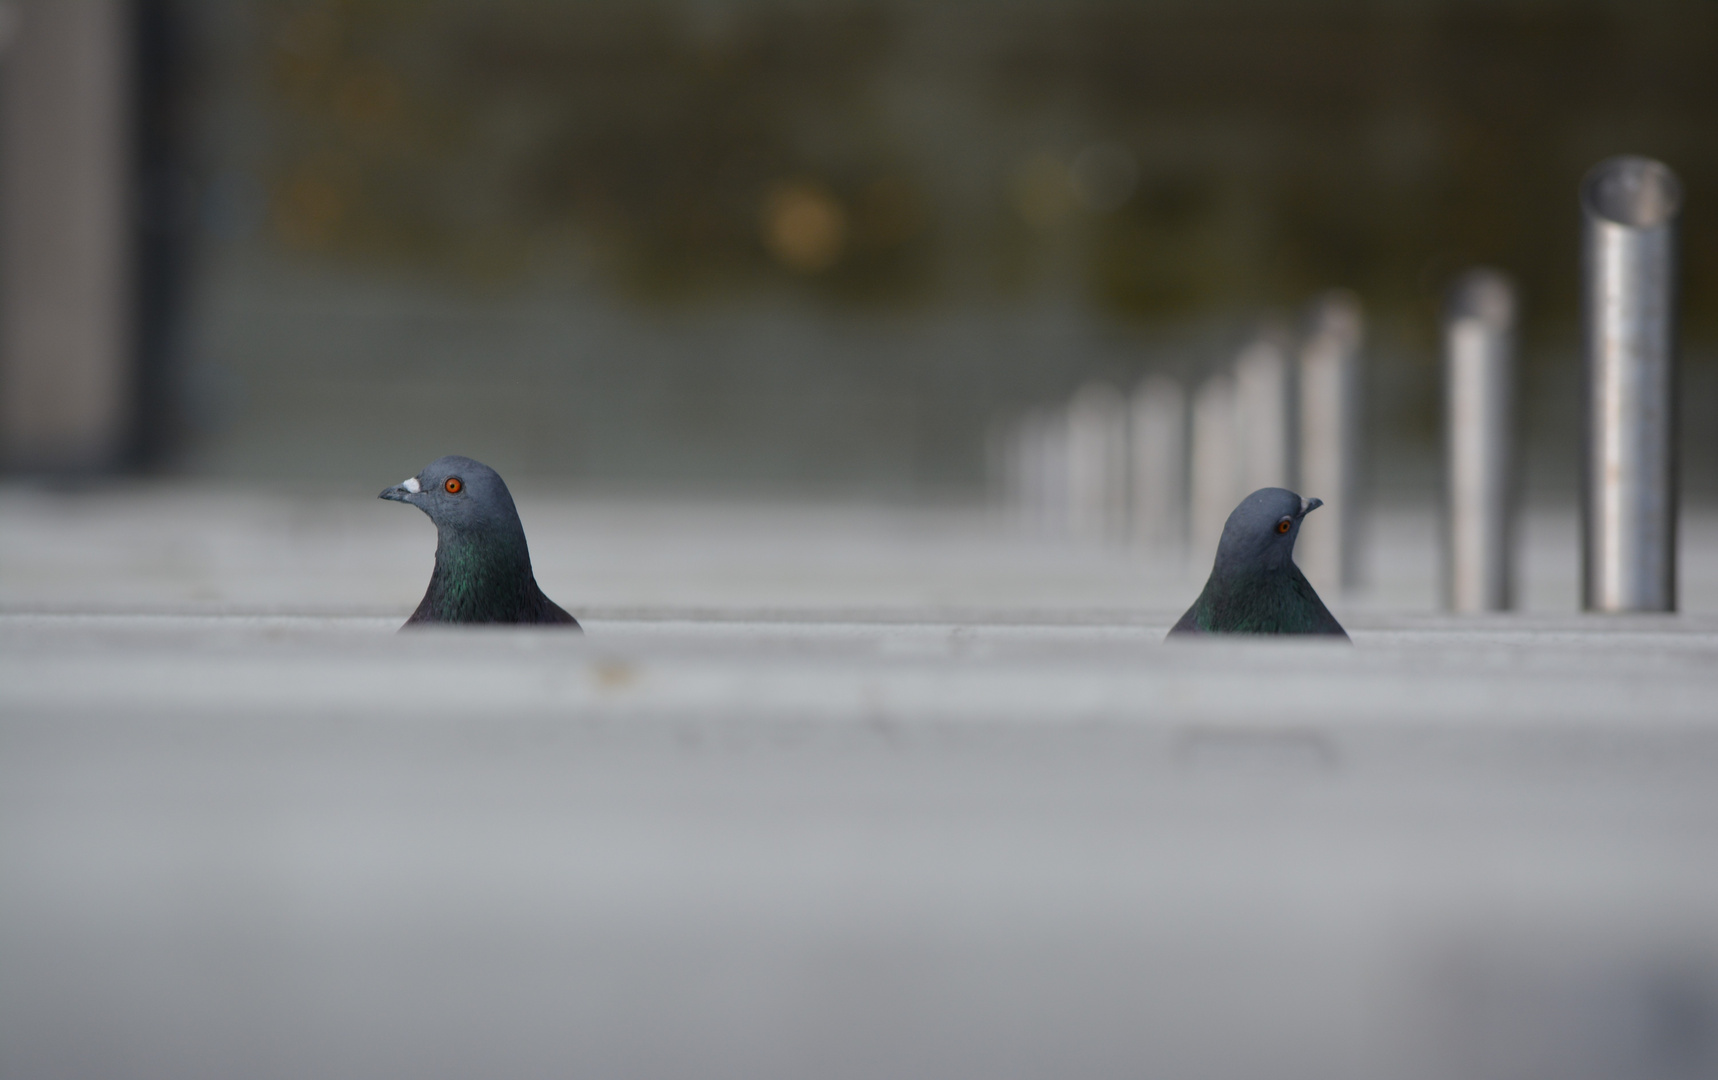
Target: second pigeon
(1255, 587)
(482, 566)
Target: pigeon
(1255, 587)
(482, 567)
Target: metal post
(1629, 209)
(1038, 471)
(1479, 453)
(1097, 463)
(1216, 468)
(1158, 432)
(1263, 399)
(1330, 439)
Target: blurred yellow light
(804, 226)
(1042, 192)
(367, 98)
(309, 207)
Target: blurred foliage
(1291, 146)
(1165, 160)
(495, 138)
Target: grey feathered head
(1261, 531)
(459, 493)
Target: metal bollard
(1047, 471)
(1014, 459)
(1158, 432)
(1479, 452)
(1330, 439)
(1215, 474)
(1097, 463)
(1263, 405)
(1037, 471)
(1629, 209)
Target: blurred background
(761, 306)
(791, 246)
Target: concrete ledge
(809, 829)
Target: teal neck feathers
(480, 577)
(1262, 601)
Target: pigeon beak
(1307, 506)
(403, 491)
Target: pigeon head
(482, 564)
(1260, 533)
(1255, 587)
(459, 494)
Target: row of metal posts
(1629, 210)
(1152, 469)
(1109, 467)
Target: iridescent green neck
(479, 577)
(1270, 600)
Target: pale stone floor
(830, 791)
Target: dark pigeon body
(482, 566)
(1255, 587)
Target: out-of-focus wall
(825, 243)
(67, 381)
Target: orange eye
(1283, 526)
(453, 485)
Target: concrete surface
(834, 792)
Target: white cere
(412, 485)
